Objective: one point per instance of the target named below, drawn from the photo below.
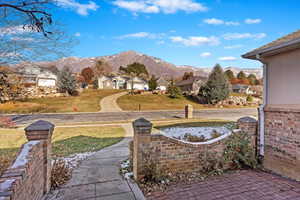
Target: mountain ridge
(155, 66)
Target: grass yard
(159, 102)
(66, 141)
(87, 101)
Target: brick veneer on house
(282, 141)
(29, 176)
(173, 155)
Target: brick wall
(173, 155)
(28, 178)
(282, 142)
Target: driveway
(109, 103)
(225, 114)
(242, 185)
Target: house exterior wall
(283, 72)
(282, 114)
(282, 141)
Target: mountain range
(155, 66)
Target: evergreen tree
(173, 90)
(187, 75)
(216, 88)
(88, 75)
(66, 81)
(135, 68)
(229, 74)
(152, 83)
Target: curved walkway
(109, 103)
(98, 177)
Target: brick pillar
(141, 140)
(42, 130)
(249, 125)
(188, 111)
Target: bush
(194, 138)
(239, 153)
(249, 98)
(60, 173)
(211, 163)
(6, 122)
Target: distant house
(122, 82)
(162, 84)
(280, 113)
(240, 88)
(191, 85)
(37, 76)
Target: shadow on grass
(81, 144)
(194, 124)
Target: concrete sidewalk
(98, 178)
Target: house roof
(239, 86)
(191, 80)
(285, 43)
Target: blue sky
(184, 32)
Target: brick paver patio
(242, 185)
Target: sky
(184, 32)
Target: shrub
(152, 173)
(249, 98)
(7, 122)
(239, 153)
(194, 138)
(215, 134)
(60, 173)
(211, 163)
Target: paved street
(226, 114)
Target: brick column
(42, 130)
(141, 140)
(188, 111)
(249, 125)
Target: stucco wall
(283, 73)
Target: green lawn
(66, 141)
(159, 102)
(87, 101)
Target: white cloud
(142, 35)
(27, 39)
(160, 42)
(13, 30)
(214, 21)
(234, 36)
(227, 58)
(196, 40)
(80, 8)
(233, 46)
(157, 6)
(252, 21)
(205, 54)
(77, 34)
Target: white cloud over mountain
(205, 54)
(252, 21)
(234, 36)
(227, 58)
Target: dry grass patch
(66, 141)
(87, 101)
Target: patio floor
(241, 185)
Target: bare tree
(28, 32)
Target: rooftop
(282, 44)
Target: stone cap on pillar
(39, 130)
(142, 122)
(247, 120)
